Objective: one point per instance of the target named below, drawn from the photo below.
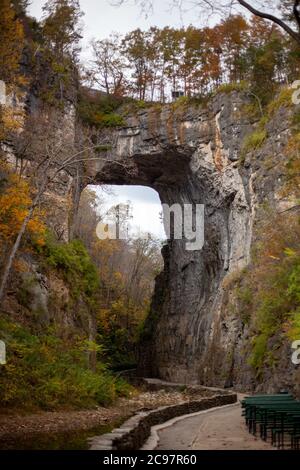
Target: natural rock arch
(188, 155)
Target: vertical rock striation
(193, 155)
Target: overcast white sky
(146, 207)
(102, 18)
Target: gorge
(195, 154)
(203, 115)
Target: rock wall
(193, 155)
(37, 295)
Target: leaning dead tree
(49, 153)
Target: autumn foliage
(11, 42)
(148, 65)
(268, 290)
(15, 201)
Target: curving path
(218, 429)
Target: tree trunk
(13, 252)
(17, 243)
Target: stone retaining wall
(136, 430)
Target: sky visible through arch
(146, 206)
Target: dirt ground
(70, 429)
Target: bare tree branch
(296, 12)
(267, 16)
(42, 187)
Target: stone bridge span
(188, 155)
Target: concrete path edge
(135, 432)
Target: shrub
(259, 349)
(234, 86)
(111, 120)
(283, 99)
(245, 298)
(46, 372)
(180, 102)
(293, 332)
(99, 111)
(254, 141)
(271, 288)
(75, 265)
(292, 169)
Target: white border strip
(153, 440)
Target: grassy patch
(183, 102)
(294, 326)
(234, 86)
(254, 141)
(283, 99)
(100, 111)
(252, 110)
(132, 106)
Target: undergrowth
(75, 265)
(269, 292)
(46, 372)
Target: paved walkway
(222, 429)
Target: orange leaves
(15, 202)
(233, 31)
(20, 266)
(11, 119)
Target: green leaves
(48, 372)
(99, 112)
(75, 264)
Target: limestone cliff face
(191, 155)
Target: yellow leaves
(15, 202)
(12, 119)
(118, 276)
(290, 252)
